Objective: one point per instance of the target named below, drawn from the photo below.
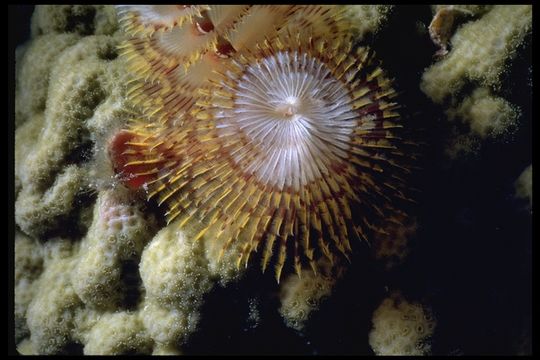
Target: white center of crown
(290, 107)
(296, 117)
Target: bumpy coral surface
(300, 296)
(118, 234)
(486, 116)
(401, 328)
(481, 50)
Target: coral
(118, 234)
(166, 350)
(175, 275)
(224, 268)
(480, 51)
(80, 19)
(487, 115)
(367, 19)
(33, 72)
(442, 26)
(116, 334)
(523, 185)
(301, 295)
(28, 267)
(401, 327)
(38, 212)
(68, 96)
(51, 311)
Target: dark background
(472, 256)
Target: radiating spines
(324, 203)
(286, 142)
(145, 20)
(255, 24)
(225, 16)
(327, 21)
(255, 92)
(171, 64)
(153, 57)
(195, 73)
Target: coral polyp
(290, 144)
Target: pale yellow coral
(367, 19)
(480, 51)
(33, 71)
(301, 295)
(51, 312)
(116, 334)
(175, 275)
(37, 212)
(82, 19)
(401, 327)
(84, 320)
(486, 114)
(69, 97)
(118, 233)
(224, 268)
(70, 120)
(443, 23)
(28, 267)
(26, 347)
(166, 350)
(523, 185)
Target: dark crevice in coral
(131, 280)
(80, 146)
(81, 20)
(151, 207)
(108, 52)
(71, 349)
(85, 200)
(230, 306)
(518, 69)
(94, 95)
(348, 311)
(132, 352)
(70, 226)
(83, 152)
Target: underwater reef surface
(97, 269)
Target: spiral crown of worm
(264, 123)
